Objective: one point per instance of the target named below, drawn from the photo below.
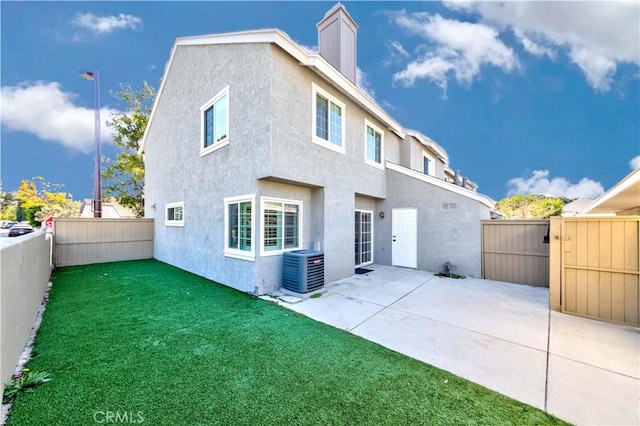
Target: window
(428, 164)
(175, 214)
(215, 123)
(363, 238)
(238, 227)
(328, 120)
(373, 145)
(281, 225)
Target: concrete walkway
(497, 334)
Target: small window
(239, 229)
(281, 226)
(373, 145)
(328, 120)
(175, 214)
(428, 164)
(215, 123)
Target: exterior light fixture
(97, 182)
(381, 215)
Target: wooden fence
(82, 241)
(595, 267)
(514, 251)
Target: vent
(303, 270)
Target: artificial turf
(156, 345)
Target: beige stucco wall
(25, 270)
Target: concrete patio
(497, 334)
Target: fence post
(555, 263)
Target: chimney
(337, 40)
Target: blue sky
(525, 97)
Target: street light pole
(97, 178)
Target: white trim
(215, 145)
(626, 183)
(317, 90)
(372, 237)
(168, 222)
(442, 184)
(429, 143)
(432, 163)
(263, 201)
(375, 128)
(236, 253)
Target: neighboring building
(575, 207)
(256, 146)
(621, 200)
(110, 209)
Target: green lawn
(158, 345)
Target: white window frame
(372, 237)
(174, 222)
(317, 90)
(216, 144)
(432, 163)
(263, 201)
(233, 252)
(376, 129)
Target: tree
(8, 205)
(125, 175)
(38, 200)
(531, 206)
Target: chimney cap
(335, 9)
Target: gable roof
(625, 195)
(311, 60)
(429, 143)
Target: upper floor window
(374, 144)
(239, 229)
(328, 120)
(215, 122)
(428, 164)
(175, 214)
(281, 225)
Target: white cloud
(43, 109)
(539, 183)
(397, 48)
(106, 24)
(536, 48)
(461, 48)
(310, 49)
(596, 36)
(363, 82)
(634, 163)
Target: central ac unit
(303, 270)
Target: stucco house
(256, 146)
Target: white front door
(404, 246)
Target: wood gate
(595, 268)
(515, 251)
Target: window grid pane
(322, 117)
(245, 226)
(290, 226)
(273, 229)
(374, 145)
(177, 215)
(208, 127)
(220, 120)
(233, 225)
(335, 125)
